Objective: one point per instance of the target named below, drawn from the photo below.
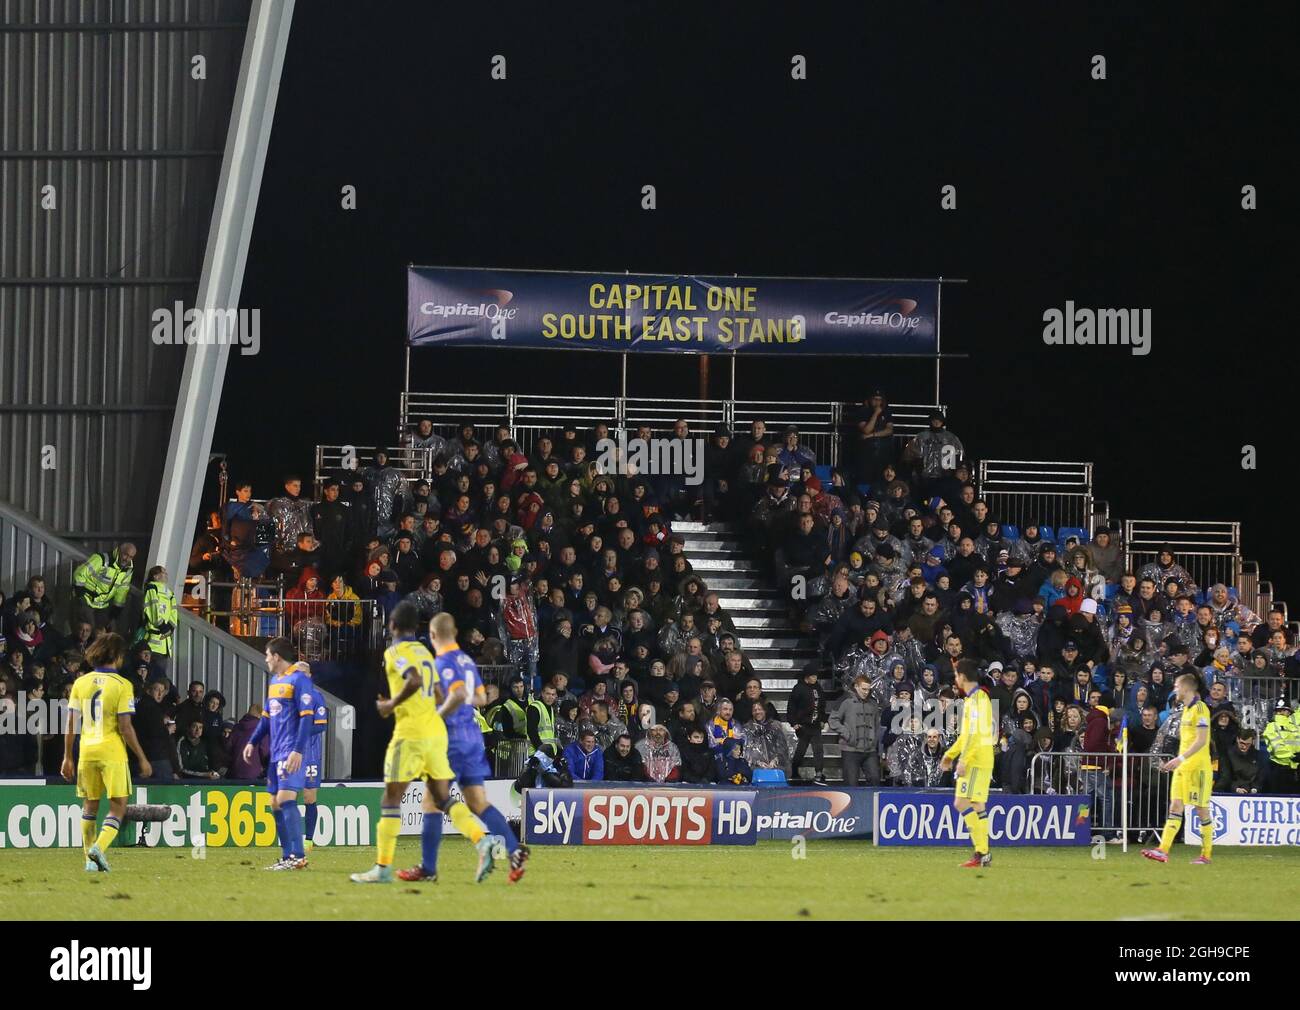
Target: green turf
(836, 880)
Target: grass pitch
(836, 880)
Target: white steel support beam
(233, 212)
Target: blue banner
(639, 816)
(831, 812)
(664, 313)
(903, 818)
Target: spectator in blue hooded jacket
(585, 760)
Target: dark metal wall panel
(99, 102)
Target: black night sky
(1124, 192)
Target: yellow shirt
(101, 696)
(1195, 717)
(417, 717)
(975, 744)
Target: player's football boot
(487, 847)
(97, 857)
(976, 861)
(375, 875)
(1156, 855)
(417, 872)
(1201, 861)
(91, 866)
(297, 863)
(517, 860)
(277, 865)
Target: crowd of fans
(630, 666)
(183, 737)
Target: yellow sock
(982, 819)
(390, 826)
(1170, 834)
(972, 821)
(108, 832)
(1207, 834)
(466, 823)
(87, 833)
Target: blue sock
(309, 830)
(430, 839)
(496, 824)
(280, 832)
(292, 828)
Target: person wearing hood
(1041, 570)
(1165, 568)
(623, 762)
(254, 769)
(766, 743)
(660, 758)
(856, 624)
(697, 764)
(1107, 559)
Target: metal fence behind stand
(531, 416)
(1210, 550)
(1045, 493)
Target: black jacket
(807, 705)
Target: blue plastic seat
(864, 489)
(1072, 531)
(1010, 532)
(823, 472)
(1047, 535)
(768, 777)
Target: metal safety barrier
(202, 652)
(531, 416)
(1209, 550)
(347, 462)
(1042, 493)
(1100, 776)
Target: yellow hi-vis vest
(159, 609)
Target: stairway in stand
(778, 651)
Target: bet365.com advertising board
(930, 819)
(640, 817)
(41, 816)
(49, 816)
(1248, 820)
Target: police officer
(103, 581)
(1282, 740)
(158, 619)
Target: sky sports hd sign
(640, 817)
(931, 819)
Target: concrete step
(714, 544)
(772, 605)
(728, 593)
(738, 565)
(688, 527)
(760, 622)
(735, 580)
(752, 642)
(765, 663)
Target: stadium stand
(735, 613)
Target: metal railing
(202, 651)
(1099, 776)
(1044, 493)
(345, 462)
(1256, 697)
(530, 416)
(1209, 550)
